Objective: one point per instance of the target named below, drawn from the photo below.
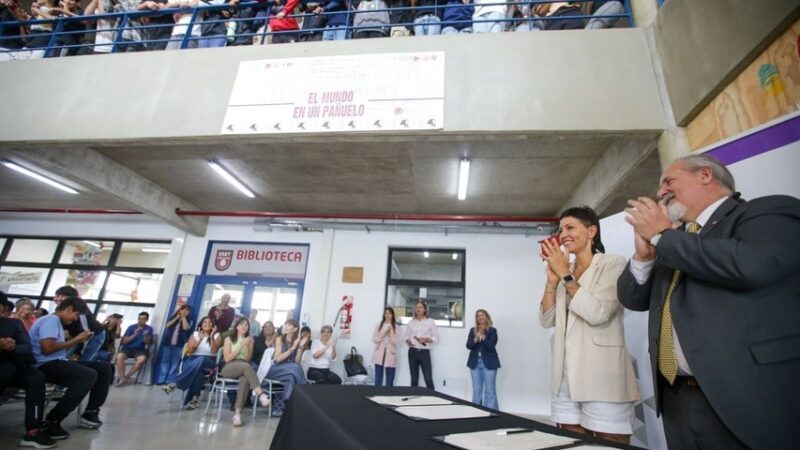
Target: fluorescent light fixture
(155, 250)
(463, 179)
(93, 244)
(42, 178)
(231, 179)
(426, 254)
(455, 256)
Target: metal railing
(247, 23)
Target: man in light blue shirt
(50, 349)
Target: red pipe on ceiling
(70, 211)
(418, 217)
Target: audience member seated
(176, 334)
(238, 349)
(561, 14)
(79, 378)
(113, 325)
(24, 312)
(86, 322)
(323, 351)
(17, 369)
(265, 340)
(305, 334)
(200, 356)
(134, 345)
(487, 17)
(11, 35)
(602, 8)
(288, 353)
(459, 14)
(281, 22)
(371, 20)
(427, 20)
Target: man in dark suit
(724, 303)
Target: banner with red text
(390, 91)
(245, 259)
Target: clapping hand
(557, 260)
(7, 344)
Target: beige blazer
(592, 341)
(385, 352)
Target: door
(273, 299)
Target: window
(126, 273)
(435, 276)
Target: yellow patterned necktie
(667, 362)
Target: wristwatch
(568, 278)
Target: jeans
(379, 375)
(604, 10)
(485, 23)
(192, 378)
(334, 33)
(212, 41)
(420, 358)
(32, 381)
(92, 347)
(450, 30)
(79, 378)
(169, 363)
(427, 25)
(484, 392)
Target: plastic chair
(220, 386)
(271, 387)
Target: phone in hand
(554, 236)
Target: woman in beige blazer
(385, 354)
(593, 384)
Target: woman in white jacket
(593, 384)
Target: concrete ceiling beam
(610, 173)
(92, 170)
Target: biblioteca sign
(257, 260)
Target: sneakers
(55, 431)
(91, 419)
(237, 420)
(37, 438)
(263, 399)
(168, 388)
(194, 404)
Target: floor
(142, 417)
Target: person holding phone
(385, 354)
(593, 385)
(420, 335)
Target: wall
(704, 44)
(767, 89)
(499, 82)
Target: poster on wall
(250, 259)
(375, 92)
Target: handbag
(353, 365)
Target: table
(328, 417)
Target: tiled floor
(140, 417)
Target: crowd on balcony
(143, 25)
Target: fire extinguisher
(347, 313)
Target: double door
(273, 300)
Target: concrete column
(672, 144)
(644, 12)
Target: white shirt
(641, 271)
(204, 349)
(421, 328)
(324, 361)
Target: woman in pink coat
(385, 354)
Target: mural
(767, 89)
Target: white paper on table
(442, 412)
(490, 440)
(409, 400)
(593, 447)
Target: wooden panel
(768, 88)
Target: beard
(675, 211)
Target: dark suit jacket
(736, 312)
(485, 347)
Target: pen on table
(405, 399)
(523, 430)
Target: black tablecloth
(326, 417)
